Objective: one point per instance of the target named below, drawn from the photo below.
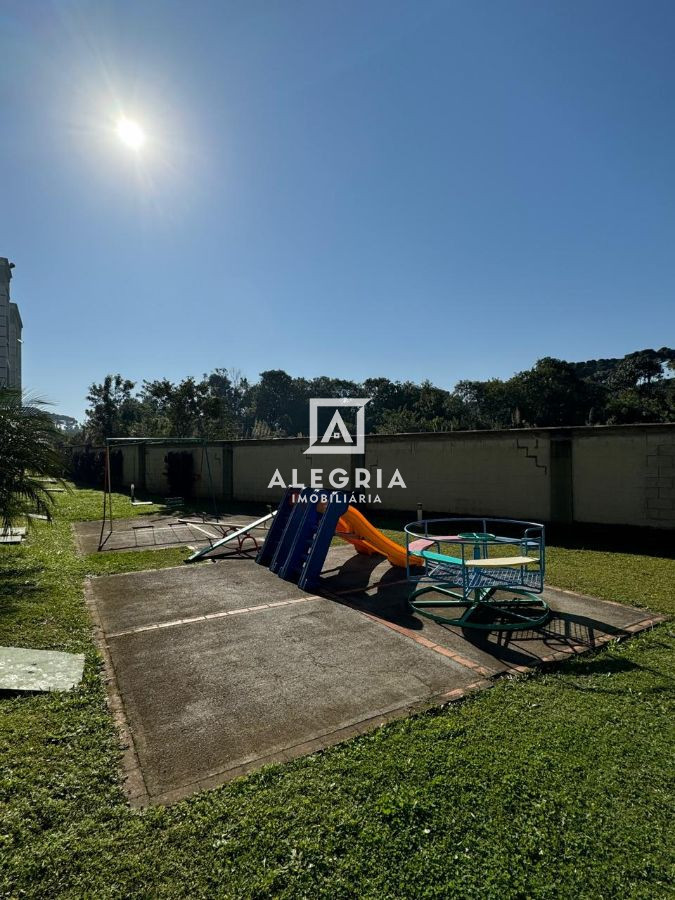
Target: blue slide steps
(298, 541)
(277, 528)
(287, 538)
(324, 533)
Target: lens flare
(130, 133)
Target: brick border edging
(581, 649)
(133, 782)
(314, 745)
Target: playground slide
(357, 530)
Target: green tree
(270, 399)
(113, 411)
(230, 389)
(187, 409)
(488, 404)
(637, 370)
(632, 406)
(29, 454)
(399, 421)
(551, 393)
(636, 388)
(638, 391)
(281, 402)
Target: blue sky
(415, 190)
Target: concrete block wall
(130, 468)
(156, 464)
(625, 476)
(254, 464)
(622, 475)
(479, 473)
(145, 467)
(659, 480)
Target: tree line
(223, 404)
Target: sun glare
(130, 133)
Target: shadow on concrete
(345, 570)
(563, 631)
(577, 623)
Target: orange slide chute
(357, 530)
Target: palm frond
(29, 457)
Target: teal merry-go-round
(485, 574)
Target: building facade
(10, 331)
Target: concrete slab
(345, 570)
(25, 669)
(139, 599)
(217, 669)
(154, 532)
(204, 699)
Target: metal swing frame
(111, 442)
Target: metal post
(107, 494)
(110, 509)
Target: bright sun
(130, 133)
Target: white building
(10, 331)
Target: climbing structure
(303, 528)
(299, 537)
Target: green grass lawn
(553, 785)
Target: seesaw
(491, 578)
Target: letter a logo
(337, 429)
(336, 439)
